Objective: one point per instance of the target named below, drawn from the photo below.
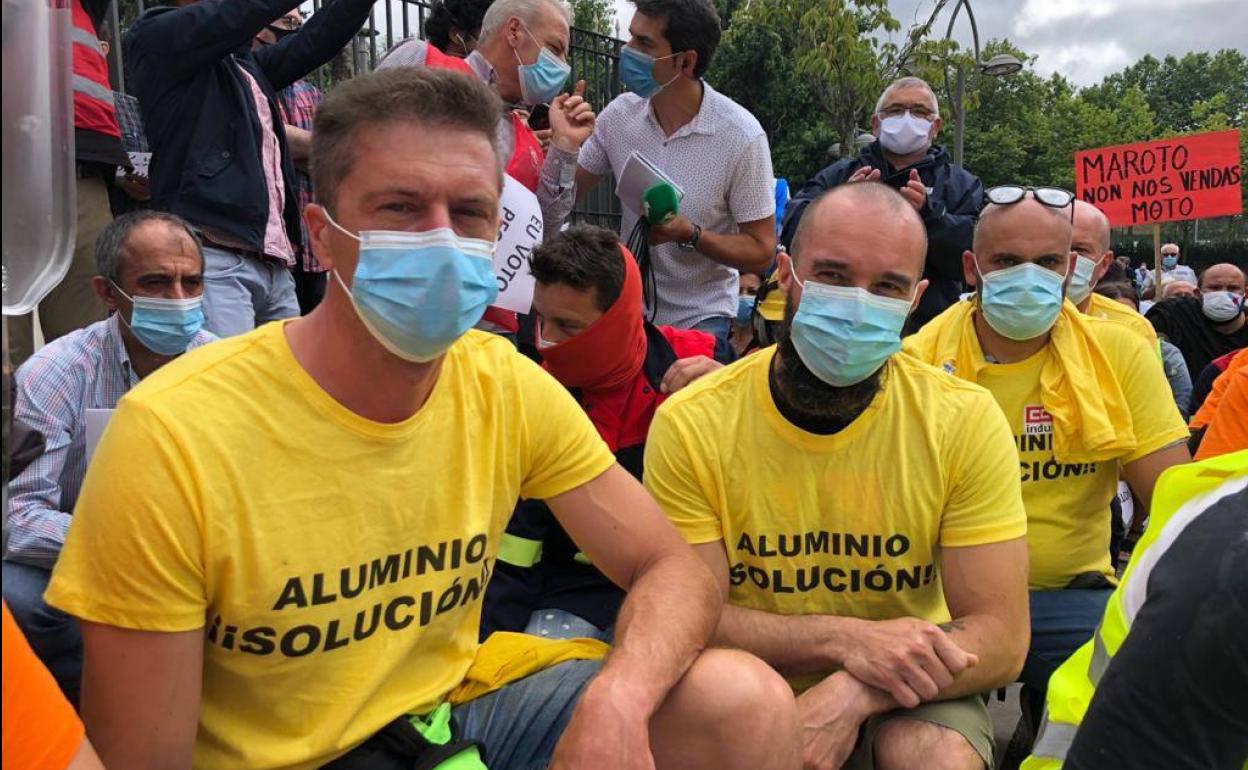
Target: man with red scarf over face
(593, 339)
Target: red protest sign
(1168, 180)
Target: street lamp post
(999, 65)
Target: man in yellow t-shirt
(1090, 243)
(282, 545)
(1085, 399)
(861, 509)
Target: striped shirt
(297, 103)
(85, 369)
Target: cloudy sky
(1085, 39)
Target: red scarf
(611, 351)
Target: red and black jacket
(563, 579)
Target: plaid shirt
(130, 121)
(297, 102)
(86, 369)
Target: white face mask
(1080, 287)
(1221, 306)
(905, 134)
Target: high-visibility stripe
(85, 37)
(1135, 591)
(581, 558)
(88, 87)
(519, 551)
(1054, 739)
(1100, 658)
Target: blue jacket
(199, 112)
(953, 202)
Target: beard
(803, 393)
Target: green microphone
(660, 203)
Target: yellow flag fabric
(506, 657)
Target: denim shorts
(521, 724)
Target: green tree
(754, 65)
(1008, 127)
(1174, 86)
(835, 50)
(810, 70)
(594, 15)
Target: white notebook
(638, 175)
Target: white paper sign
(1127, 502)
(97, 420)
(519, 232)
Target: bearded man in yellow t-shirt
(1085, 399)
(282, 544)
(861, 509)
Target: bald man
(1086, 400)
(862, 510)
(1090, 243)
(1208, 324)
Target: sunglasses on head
(1009, 194)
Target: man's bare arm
(300, 143)
(140, 695)
(673, 601)
(1142, 474)
(751, 250)
(908, 657)
(792, 644)
(986, 590)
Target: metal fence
(594, 59)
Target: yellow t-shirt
(1114, 311)
(1068, 503)
(336, 564)
(849, 524)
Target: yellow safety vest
(1182, 493)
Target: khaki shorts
(967, 716)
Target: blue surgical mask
(844, 335)
(418, 293)
(164, 326)
(1081, 279)
(1169, 263)
(745, 309)
(1021, 302)
(637, 72)
(542, 80)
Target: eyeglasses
(283, 27)
(897, 110)
(1053, 197)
